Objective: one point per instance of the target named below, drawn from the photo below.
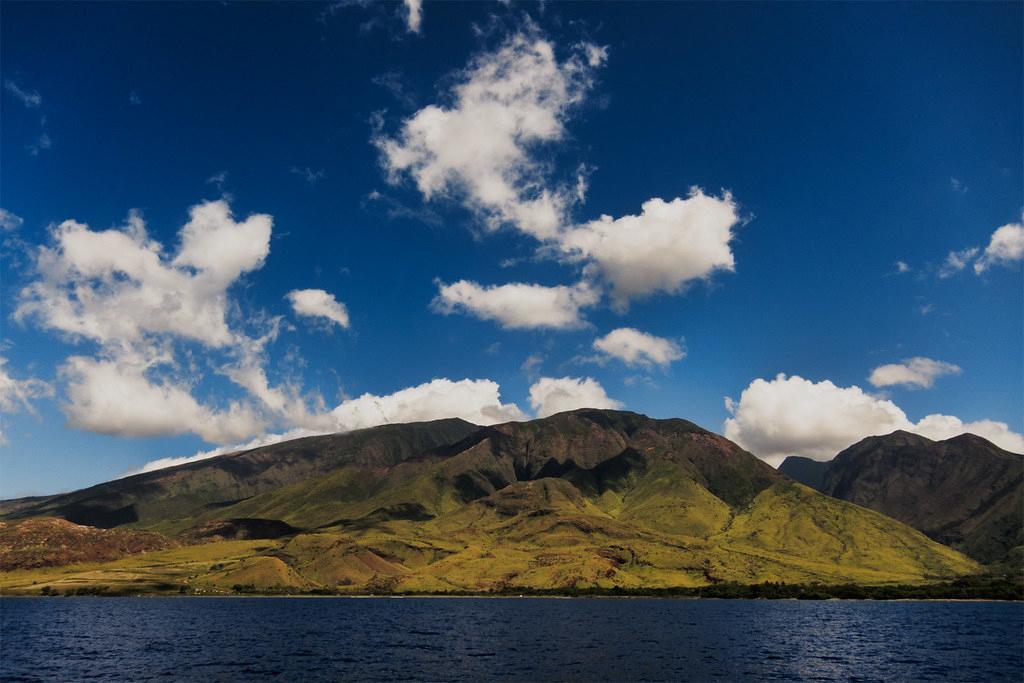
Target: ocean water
(440, 639)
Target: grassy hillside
(154, 498)
(588, 500)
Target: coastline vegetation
(1003, 587)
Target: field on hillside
(516, 543)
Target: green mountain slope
(581, 499)
(162, 496)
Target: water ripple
(200, 639)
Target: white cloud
(667, 246)
(902, 267)
(30, 98)
(788, 416)
(550, 395)
(316, 303)
(634, 347)
(481, 147)
(221, 248)
(957, 261)
(414, 15)
(919, 373)
(10, 221)
(477, 401)
(957, 186)
(1005, 247)
(17, 394)
(120, 289)
(285, 402)
(518, 305)
(116, 286)
(794, 416)
(939, 427)
(116, 397)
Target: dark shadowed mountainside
(804, 470)
(964, 492)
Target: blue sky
(395, 178)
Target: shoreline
(1000, 586)
(482, 596)
(976, 589)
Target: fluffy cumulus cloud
(147, 311)
(316, 303)
(665, 247)
(636, 348)
(939, 427)
(1006, 247)
(518, 305)
(914, 373)
(479, 148)
(122, 290)
(550, 395)
(484, 147)
(116, 397)
(117, 285)
(795, 416)
(477, 401)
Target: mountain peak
(903, 436)
(969, 440)
(964, 491)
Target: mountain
(163, 497)
(964, 492)
(588, 498)
(804, 470)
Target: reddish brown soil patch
(53, 542)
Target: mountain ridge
(964, 491)
(586, 498)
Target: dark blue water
(308, 639)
